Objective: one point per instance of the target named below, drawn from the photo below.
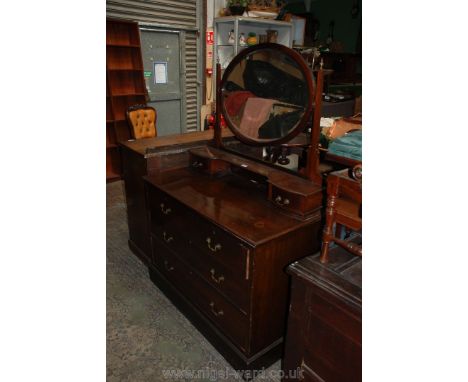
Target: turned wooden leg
(328, 229)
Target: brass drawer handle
(217, 280)
(197, 164)
(215, 248)
(219, 313)
(165, 211)
(167, 238)
(279, 200)
(166, 265)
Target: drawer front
(208, 165)
(172, 236)
(224, 279)
(286, 200)
(223, 248)
(199, 163)
(231, 321)
(163, 208)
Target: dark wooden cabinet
(219, 250)
(323, 340)
(125, 86)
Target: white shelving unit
(225, 52)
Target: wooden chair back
(142, 120)
(344, 208)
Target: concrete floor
(147, 338)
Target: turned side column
(332, 194)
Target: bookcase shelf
(125, 86)
(123, 58)
(122, 33)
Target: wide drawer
(222, 247)
(172, 235)
(163, 208)
(231, 321)
(226, 280)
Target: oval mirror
(266, 94)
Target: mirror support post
(217, 132)
(313, 155)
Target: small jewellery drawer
(208, 165)
(286, 200)
(231, 321)
(199, 163)
(305, 204)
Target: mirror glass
(265, 95)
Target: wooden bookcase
(125, 86)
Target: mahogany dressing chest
(224, 226)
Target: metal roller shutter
(184, 15)
(191, 85)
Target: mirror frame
(296, 57)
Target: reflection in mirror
(265, 95)
(285, 156)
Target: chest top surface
(231, 201)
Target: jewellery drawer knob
(215, 248)
(279, 200)
(164, 210)
(197, 164)
(216, 313)
(217, 280)
(167, 238)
